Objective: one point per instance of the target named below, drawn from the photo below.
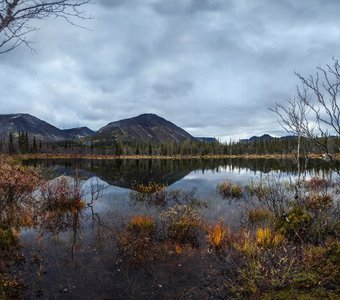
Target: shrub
(152, 194)
(136, 242)
(218, 235)
(317, 184)
(253, 244)
(316, 201)
(295, 224)
(259, 215)
(300, 254)
(164, 198)
(266, 238)
(181, 224)
(62, 194)
(19, 215)
(260, 264)
(17, 183)
(228, 189)
(150, 188)
(273, 194)
(59, 220)
(8, 238)
(9, 288)
(244, 244)
(259, 189)
(143, 225)
(320, 267)
(314, 220)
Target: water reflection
(75, 249)
(125, 173)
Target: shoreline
(158, 157)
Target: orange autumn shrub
(142, 225)
(62, 194)
(17, 183)
(218, 235)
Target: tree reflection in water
(126, 173)
(70, 238)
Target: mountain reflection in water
(72, 254)
(125, 173)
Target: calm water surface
(72, 256)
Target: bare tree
(315, 114)
(323, 89)
(294, 119)
(16, 18)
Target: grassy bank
(175, 157)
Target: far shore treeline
(23, 143)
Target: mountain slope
(262, 138)
(76, 133)
(266, 138)
(30, 124)
(143, 128)
(35, 127)
(208, 140)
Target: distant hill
(76, 133)
(35, 127)
(265, 137)
(143, 128)
(30, 124)
(209, 140)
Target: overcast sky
(212, 67)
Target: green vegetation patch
(8, 238)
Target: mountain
(76, 133)
(143, 128)
(265, 137)
(30, 124)
(208, 140)
(35, 127)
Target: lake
(73, 255)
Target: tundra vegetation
(285, 246)
(26, 202)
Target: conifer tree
(11, 148)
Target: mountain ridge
(146, 127)
(265, 138)
(23, 122)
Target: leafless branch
(16, 16)
(315, 114)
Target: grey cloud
(175, 7)
(172, 88)
(115, 3)
(210, 66)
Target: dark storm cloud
(210, 66)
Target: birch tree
(314, 114)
